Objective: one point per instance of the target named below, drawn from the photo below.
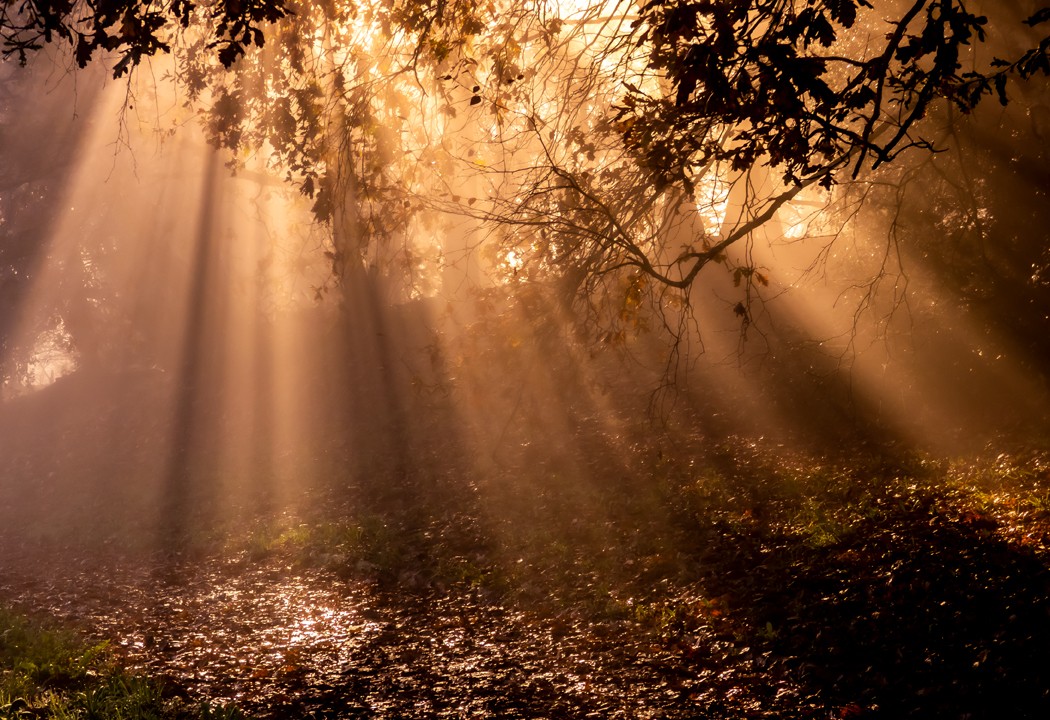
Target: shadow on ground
(919, 610)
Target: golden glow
(53, 357)
(439, 369)
(227, 281)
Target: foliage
(134, 30)
(608, 159)
(52, 673)
(592, 163)
(596, 126)
(789, 84)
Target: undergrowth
(53, 674)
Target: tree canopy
(134, 30)
(615, 148)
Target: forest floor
(728, 581)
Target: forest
(524, 359)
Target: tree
(618, 148)
(134, 30)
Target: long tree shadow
(916, 611)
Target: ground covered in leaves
(679, 579)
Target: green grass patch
(51, 673)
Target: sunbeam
(451, 359)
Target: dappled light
(604, 359)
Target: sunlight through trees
(630, 358)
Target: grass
(51, 673)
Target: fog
(341, 384)
(176, 349)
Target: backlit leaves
(793, 92)
(680, 90)
(135, 30)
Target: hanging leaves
(792, 92)
(134, 29)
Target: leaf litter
(775, 589)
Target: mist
(233, 386)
